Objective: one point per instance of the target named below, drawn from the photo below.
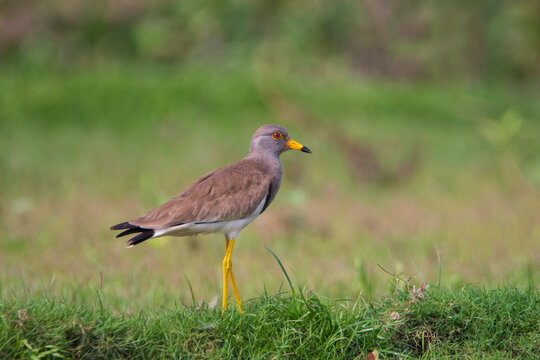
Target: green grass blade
(191, 290)
(418, 272)
(284, 271)
(440, 267)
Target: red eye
(277, 135)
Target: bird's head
(274, 139)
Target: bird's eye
(277, 135)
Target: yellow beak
(297, 146)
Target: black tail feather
(130, 231)
(124, 225)
(144, 235)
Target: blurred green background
(423, 118)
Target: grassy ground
(399, 174)
(435, 324)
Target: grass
(470, 323)
(401, 175)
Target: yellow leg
(227, 271)
(233, 283)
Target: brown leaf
(374, 355)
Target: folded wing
(229, 193)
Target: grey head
(274, 140)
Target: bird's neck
(269, 160)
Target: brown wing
(229, 193)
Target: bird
(222, 201)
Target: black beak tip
(306, 150)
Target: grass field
(399, 174)
(433, 324)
